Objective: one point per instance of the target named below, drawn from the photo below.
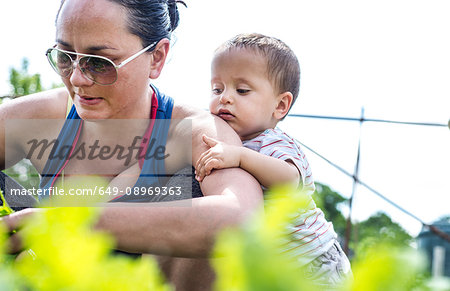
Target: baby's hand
(219, 156)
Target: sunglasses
(98, 69)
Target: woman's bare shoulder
(197, 119)
(202, 122)
(187, 127)
(183, 111)
(51, 104)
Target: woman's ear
(284, 102)
(159, 56)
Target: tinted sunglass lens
(61, 62)
(98, 70)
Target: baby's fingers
(201, 160)
(206, 167)
(200, 172)
(212, 164)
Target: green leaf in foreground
(250, 258)
(4, 208)
(69, 255)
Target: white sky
(390, 56)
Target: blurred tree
(22, 82)
(330, 202)
(379, 228)
(382, 225)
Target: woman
(135, 37)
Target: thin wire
(348, 230)
(432, 228)
(368, 119)
(356, 179)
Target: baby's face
(242, 93)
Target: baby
(255, 80)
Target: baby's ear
(284, 102)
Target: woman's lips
(88, 100)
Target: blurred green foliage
(4, 208)
(389, 267)
(64, 253)
(22, 82)
(379, 226)
(69, 255)
(366, 233)
(250, 258)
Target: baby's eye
(242, 91)
(216, 91)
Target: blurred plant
(250, 258)
(4, 208)
(22, 82)
(9, 280)
(379, 227)
(366, 233)
(68, 255)
(388, 267)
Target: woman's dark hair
(150, 20)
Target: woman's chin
(89, 114)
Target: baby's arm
(267, 170)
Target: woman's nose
(77, 78)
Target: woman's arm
(230, 195)
(187, 231)
(50, 104)
(267, 170)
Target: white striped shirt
(309, 234)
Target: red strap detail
(148, 133)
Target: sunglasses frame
(77, 62)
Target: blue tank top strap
(165, 105)
(61, 149)
(153, 170)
